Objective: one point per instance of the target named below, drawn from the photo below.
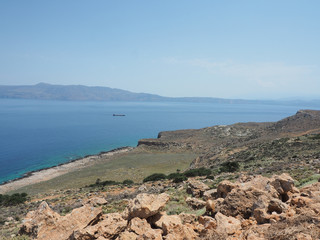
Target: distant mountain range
(44, 91)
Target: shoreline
(45, 174)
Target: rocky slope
(218, 144)
(250, 208)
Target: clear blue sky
(230, 49)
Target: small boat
(119, 115)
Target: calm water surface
(37, 134)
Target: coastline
(48, 173)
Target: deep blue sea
(36, 134)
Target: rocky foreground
(252, 208)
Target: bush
(127, 182)
(229, 167)
(197, 172)
(174, 175)
(103, 183)
(177, 177)
(14, 199)
(155, 177)
(180, 178)
(210, 177)
(314, 136)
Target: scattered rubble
(253, 208)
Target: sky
(258, 49)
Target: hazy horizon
(235, 50)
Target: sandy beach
(55, 171)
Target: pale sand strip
(50, 173)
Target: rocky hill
(218, 144)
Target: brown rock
(210, 194)
(210, 206)
(166, 221)
(181, 232)
(188, 218)
(208, 222)
(50, 225)
(300, 201)
(126, 235)
(143, 229)
(242, 202)
(227, 225)
(196, 188)
(195, 203)
(277, 206)
(110, 227)
(146, 205)
(224, 188)
(261, 216)
(283, 184)
(97, 201)
(174, 229)
(302, 236)
(35, 220)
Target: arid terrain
(241, 181)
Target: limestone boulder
(196, 188)
(143, 229)
(146, 205)
(174, 228)
(227, 225)
(208, 222)
(97, 201)
(188, 218)
(126, 235)
(242, 202)
(210, 194)
(283, 184)
(224, 188)
(195, 203)
(110, 228)
(45, 224)
(210, 207)
(35, 221)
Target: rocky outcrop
(196, 188)
(146, 205)
(45, 224)
(253, 208)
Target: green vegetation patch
(155, 177)
(197, 172)
(14, 199)
(229, 167)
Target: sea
(37, 134)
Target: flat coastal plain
(53, 172)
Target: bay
(37, 134)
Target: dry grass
(134, 166)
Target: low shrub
(179, 178)
(103, 183)
(155, 177)
(14, 199)
(229, 167)
(127, 182)
(197, 172)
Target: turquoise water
(38, 134)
